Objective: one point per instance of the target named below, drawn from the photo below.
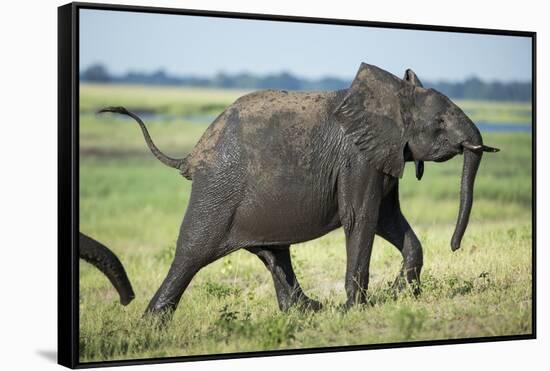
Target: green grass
(184, 101)
(134, 205)
(499, 112)
(162, 99)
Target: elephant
(277, 168)
(106, 261)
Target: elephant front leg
(359, 210)
(359, 249)
(394, 228)
(360, 193)
(411, 250)
(412, 262)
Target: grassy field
(503, 113)
(134, 205)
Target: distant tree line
(472, 88)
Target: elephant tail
(106, 261)
(176, 163)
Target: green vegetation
(185, 101)
(161, 99)
(497, 112)
(134, 205)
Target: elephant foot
(308, 304)
(344, 308)
(359, 300)
(348, 305)
(156, 320)
(401, 284)
(416, 289)
(303, 303)
(159, 313)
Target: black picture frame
(68, 180)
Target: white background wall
(28, 181)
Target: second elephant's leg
(288, 290)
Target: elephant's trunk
(472, 158)
(103, 259)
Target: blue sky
(203, 46)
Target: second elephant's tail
(106, 261)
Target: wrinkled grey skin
(106, 261)
(278, 168)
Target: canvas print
(258, 185)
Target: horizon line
(280, 72)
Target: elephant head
(395, 120)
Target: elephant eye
(439, 127)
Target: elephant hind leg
(189, 259)
(288, 290)
(202, 240)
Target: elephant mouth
(449, 153)
(444, 157)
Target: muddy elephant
(278, 168)
(106, 261)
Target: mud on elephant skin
(278, 168)
(107, 262)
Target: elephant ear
(370, 116)
(412, 79)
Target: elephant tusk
(472, 147)
(490, 149)
(479, 147)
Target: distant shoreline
(471, 88)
